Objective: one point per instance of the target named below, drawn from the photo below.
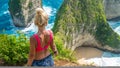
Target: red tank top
(39, 48)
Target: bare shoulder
(51, 32)
(47, 32)
(32, 39)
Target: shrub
(65, 54)
(14, 49)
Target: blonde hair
(41, 18)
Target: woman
(39, 54)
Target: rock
(112, 9)
(23, 11)
(83, 23)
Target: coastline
(87, 52)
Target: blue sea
(51, 7)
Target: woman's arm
(53, 46)
(31, 55)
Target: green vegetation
(23, 1)
(30, 5)
(14, 50)
(82, 17)
(64, 54)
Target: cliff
(112, 9)
(83, 23)
(23, 11)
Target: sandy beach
(87, 52)
(82, 54)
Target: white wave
(3, 13)
(50, 11)
(32, 28)
(6, 12)
(117, 30)
(50, 26)
(105, 61)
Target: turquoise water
(51, 7)
(115, 26)
(5, 18)
(6, 23)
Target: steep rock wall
(23, 11)
(112, 9)
(83, 23)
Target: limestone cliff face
(83, 23)
(112, 9)
(23, 11)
